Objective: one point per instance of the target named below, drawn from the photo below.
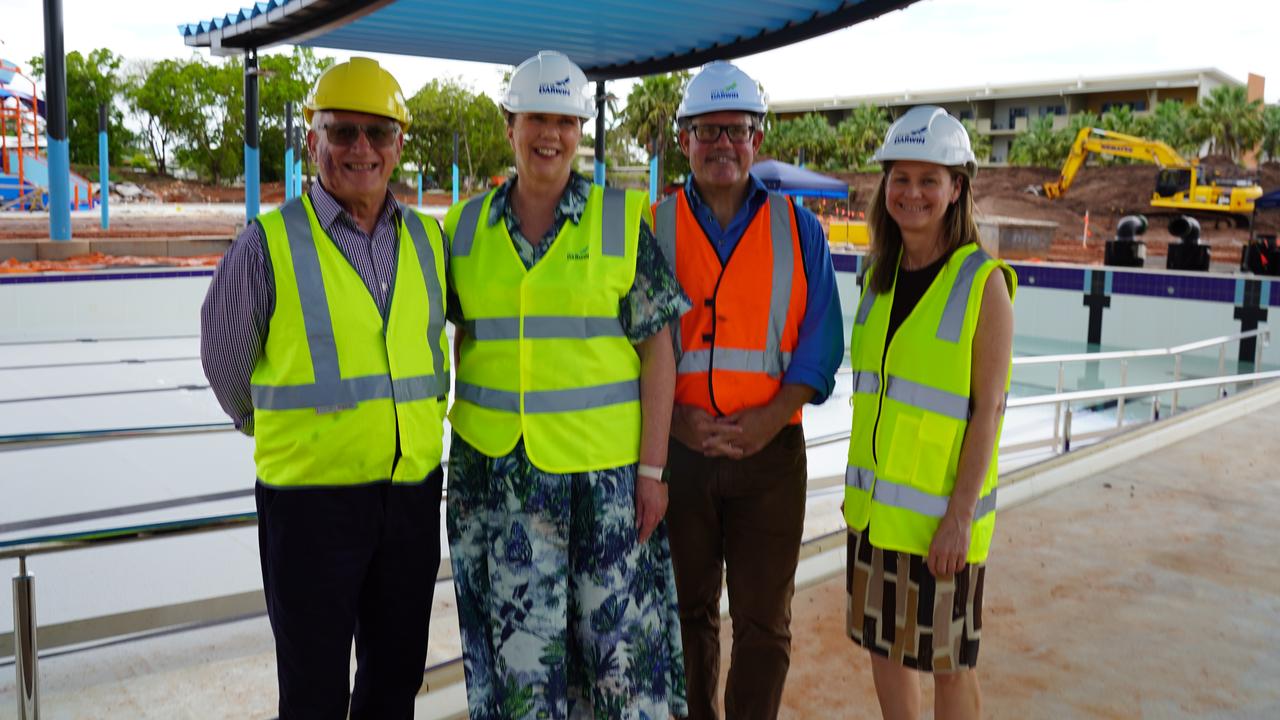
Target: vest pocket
(921, 450)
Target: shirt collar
(573, 200)
(756, 194)
(329, 210)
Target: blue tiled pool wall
(1072, 309)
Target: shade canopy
(608, 38)
(799, 182)
(1269, 201)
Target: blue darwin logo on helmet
(558, 87)
(728, 92)
(911, 137)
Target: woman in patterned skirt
(565, 375)
(931, 348)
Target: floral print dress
(563, 614)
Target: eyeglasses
(707, 133)
(345, 134)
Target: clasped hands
(735, 436)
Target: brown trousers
(743, 518)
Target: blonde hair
(960, 227)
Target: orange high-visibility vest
(734, 346)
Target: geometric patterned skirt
(898, 609)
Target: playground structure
(24, 168)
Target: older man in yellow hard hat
(322, 336)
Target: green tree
(1171, 124)
(283, 78)
(441, 108)
(1120, 118)
(157, 97)
(859, 135)
(649, 119)
(1228, 120)
(809, 137)
(1271, 132)
(92, 81)
(980, 143)
(1040, 145)
(210, 120)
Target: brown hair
(959, 228)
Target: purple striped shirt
(242, 295)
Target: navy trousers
(339, 563)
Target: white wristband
(653, 472)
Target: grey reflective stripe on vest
(421, 387)
(613, 223)
(544, 327)
(464, 233)
(664, 229)
(315, 303)
(699, 361)
(866, 382)
(864, 306)
(928, 398)
(435, 295)
(503, 328)
(548, 401)
(664, 221)
(858, 478)
(908, 498)
(952, 322)
(330, 391)
(784, 261)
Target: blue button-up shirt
(820, 345)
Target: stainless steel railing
(25, 642)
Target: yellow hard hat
(358, 85)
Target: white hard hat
(927, 133)
(720, 86)
(549, 82)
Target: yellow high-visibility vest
(544, 354)
(338, 389)
(911, 409)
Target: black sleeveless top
(910, 287)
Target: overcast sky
(930, 45)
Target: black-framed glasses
(345, 134)
(708, 133)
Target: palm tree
(858, 135)
(981, 144)
(809, 137)
(650, 116)
(1171, 124)
(1039, 146)
(1271, 132)
(1228, 120)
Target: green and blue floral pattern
(563, 614)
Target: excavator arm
(1106, 142)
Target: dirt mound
(1107, 193)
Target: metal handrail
(71, 437)
(1148, 352)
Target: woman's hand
(651, 505)
(950, 546)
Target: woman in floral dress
(566, 597)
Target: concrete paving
(1151, 590)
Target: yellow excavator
(1181, 184)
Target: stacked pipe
(1188, 253)
(1127, 250)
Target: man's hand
(651, 505)
(755, 428)
(698, 430)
